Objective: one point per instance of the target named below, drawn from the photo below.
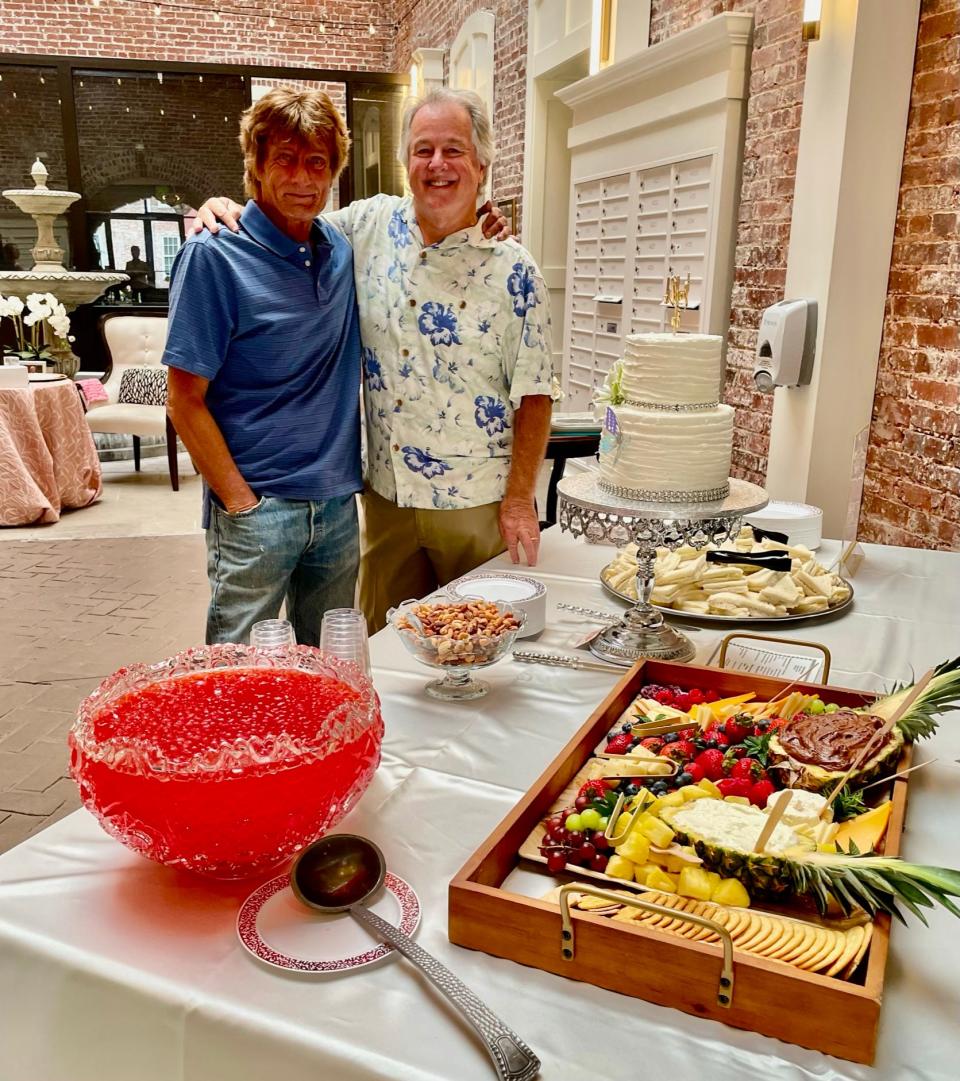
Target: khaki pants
(406, 552)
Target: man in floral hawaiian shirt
(457, 365)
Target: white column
(852, 131)
(430, 63)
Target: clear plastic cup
(272, 634)
(343, 633)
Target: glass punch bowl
(459, 659)
(225, 759)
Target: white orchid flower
(611, 392)
(33, 318)
(10, 307)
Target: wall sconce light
(811, 20)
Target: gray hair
(468, 100)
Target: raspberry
(696, 696)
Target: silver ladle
(338, 874)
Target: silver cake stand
(588, 509)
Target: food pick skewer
(774, 814)
(902, 773)
(877, 738)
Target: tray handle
(567, 949)
(783, 641)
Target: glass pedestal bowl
(456, 636)
(225, 759)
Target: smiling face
(294, 183)
(444, 170)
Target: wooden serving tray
(831, 1015)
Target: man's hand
(494, 222)
(519, 526)
(216, 210)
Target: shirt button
(399, 401)
(423, 255)
(396, 446)
(302, 250)
(413, 303)
(306, 262)
(404, 352)
(463, 304)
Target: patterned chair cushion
(143, 386)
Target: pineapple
(941, 693)
(695, 882)
(723, 835)
(731, 892)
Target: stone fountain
(70, 287)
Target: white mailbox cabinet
(655, 172)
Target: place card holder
(776, 664)
(851, 553)
(568, 942)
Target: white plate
(280, 931)
(527, 594)
(45, 377)
(801, 522)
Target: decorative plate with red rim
(281, 931)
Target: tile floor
(121, 581)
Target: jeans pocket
(248, 513)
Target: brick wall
(434, 24)
(912, 485)
(250, 32)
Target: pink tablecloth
(47, 457)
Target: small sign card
(795, 667)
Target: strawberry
(737, 730)
(595, 789)
(620, 743)
(735, 786)
(761, 792)
(652, 743)
(737, 752)
(695, 771)
(688, 733)
(711, 762)
(682, 750)
(711, 696)
(746, 767)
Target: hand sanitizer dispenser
(785, 344)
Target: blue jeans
(306, 552)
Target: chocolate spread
(830, 740)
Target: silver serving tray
(693, 617)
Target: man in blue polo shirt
(263, 351)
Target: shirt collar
(473, 236)
(264, 232)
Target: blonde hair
(284, 113)
(468, 100)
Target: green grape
(574, 823)
(590, 818)
(816, 706)
(604, 821)
(832, 708)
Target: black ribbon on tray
(771, 561)
(769, 534)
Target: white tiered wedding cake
(666, 437)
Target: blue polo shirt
(272, 323)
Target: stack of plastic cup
(343, 633)
(272, 634)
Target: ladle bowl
(340, 873)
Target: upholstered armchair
(136, 384)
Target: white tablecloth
(116, 969)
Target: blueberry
(671, 737)
(711, 744)
(684, 778)
(635, 742)
(631, 789)
(659, 789)
(627, 726)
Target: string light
(323, 28)
(216, 16)
(43, 81)
(162, 113)
(371, 29)
(157, 10)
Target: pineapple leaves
(876, 882)
(940, 694)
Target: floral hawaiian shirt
(454, 335)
